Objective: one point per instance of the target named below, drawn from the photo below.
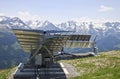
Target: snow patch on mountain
(12, 23)
(42, 25)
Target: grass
(104, 66)
(4, 73)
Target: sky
(62, 10)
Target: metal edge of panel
(27, 37)
(29, 43)
(27, 33)
(29, 30)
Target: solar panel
(27, 39)
(19, 32)
(78, 41)
(31, 39)
(80, 37)
(78, 44)
(56, 43)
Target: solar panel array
(31, 40)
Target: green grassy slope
(104, 66)
(4, 73)
(7, 73)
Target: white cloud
(105, 8)
(24, 15)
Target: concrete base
(53, 71)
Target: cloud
(25, 15)
(105, 8)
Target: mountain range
(108, 34)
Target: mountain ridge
(80, 27)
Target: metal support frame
(49, 52)
(36, 52)
(95, 48)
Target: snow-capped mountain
(100, 29)
(68, 26)
(12, 23)
(42, 25)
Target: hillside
(104, 66)
(11, 53)
(6, 73)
